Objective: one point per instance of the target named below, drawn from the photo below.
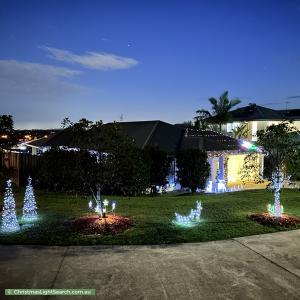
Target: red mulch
(94, 225)
(267, 219)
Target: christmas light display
(29, 207)
(272, 211)
(276, 184)
(9, 217)
(190, 220)
(220, 187)
(101, 208)
(113, 206)
(90, 204)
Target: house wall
(253, 127)
(224, 166)
(235, 165)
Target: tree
(62, 170)
(8, 137)
(128, 170)
(241, 132)
(250, 171)
(193, 168)
(9, 217)
(293, 166)
(29, 207)
(159, 166)
(280, 146)
(106, 160)
(220, 110)
(201, 120)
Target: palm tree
(220, 109)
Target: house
(225, 154)
(257, 118)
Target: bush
(67, 171)
(193, 168)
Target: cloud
(32, 91)
(92, 60)
(293, 97)
(9, 67)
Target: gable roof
(167, 137)
(209, 140)
(156, 133)
(255, 112)
(61, 138)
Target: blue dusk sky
(144, 60)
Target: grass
(223, 216)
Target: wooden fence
(20, 166)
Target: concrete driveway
(256, 267)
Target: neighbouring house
(256, 118)
(225, 154)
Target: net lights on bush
(9, 216)
(29, 208)
(190, 220)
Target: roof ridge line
(151, 133)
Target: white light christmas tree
(9, 216)
(29, 208)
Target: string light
(90, 204)
(102, 209)
(9, 216)
(29, 207)
(190, 220)
(277, 180)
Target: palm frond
(234, 102)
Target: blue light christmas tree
(29, 208)
(9, 216)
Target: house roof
(209, 141)
(155, 133)
(61, 138)
(166, 136)
(255, 112)
(291, 114)
(37, 143)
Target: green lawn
(224, 216)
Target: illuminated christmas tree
(9, 217)
(29, 208)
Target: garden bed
(111, 224)
(269, 220)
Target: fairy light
(29, 207)
(90, 204)
(9, 216)
(190, 220)
(276, 185)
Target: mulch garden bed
(110, 225)
(269, 220)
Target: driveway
(256, 267)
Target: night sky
(144, 60)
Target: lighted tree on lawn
(29, 208)
(9, 217)
(280, 146)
